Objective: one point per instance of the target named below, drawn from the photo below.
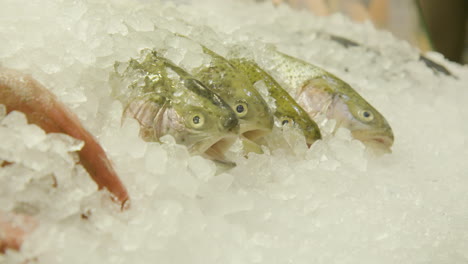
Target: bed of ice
(333, 203)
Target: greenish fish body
(165, 99)
(287, 111)
(223, 78)
(320, 92)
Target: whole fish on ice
(287, 111)
(320, 92)
(165, 99)
(223, 78)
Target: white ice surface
(332, 203)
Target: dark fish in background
(434, 66)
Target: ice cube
(60, 142)
(215, 185)
(141, 22)
(156, 159)
(133, 145)
(32, 135)
(227, 203)
(115, 26)
(202, 168)
(193, 60)
(168, 139)
(183, 181)
(175, 55)
(14, 119)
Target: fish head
(210, 125)
(364, 121)
(204, 132)
(337, 100)
(309, 129)
(287, 112)
(253, 113)
(295, 116)
(206, 125)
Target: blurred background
(440, 25)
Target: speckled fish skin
(165, 99)
(223, 78)
(287, 109)
(320, 92)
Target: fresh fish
(287, 110)
(223, 78)
(20, 92)
(165, 99)
(320, 92)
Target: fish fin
(148, 111)
(315, 97)
(158, 121)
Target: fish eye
(197, 120)
(287, 121)
(241, 109)
(366, 115)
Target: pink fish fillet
(22, 93)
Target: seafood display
(233, 129)
(205, 114)
(316, 91)
(312, 93)
(206, 111)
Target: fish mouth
(250, 146)
(383, 139)
(386, 141)
(251, 139)
(215, 149)
(255, 134)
